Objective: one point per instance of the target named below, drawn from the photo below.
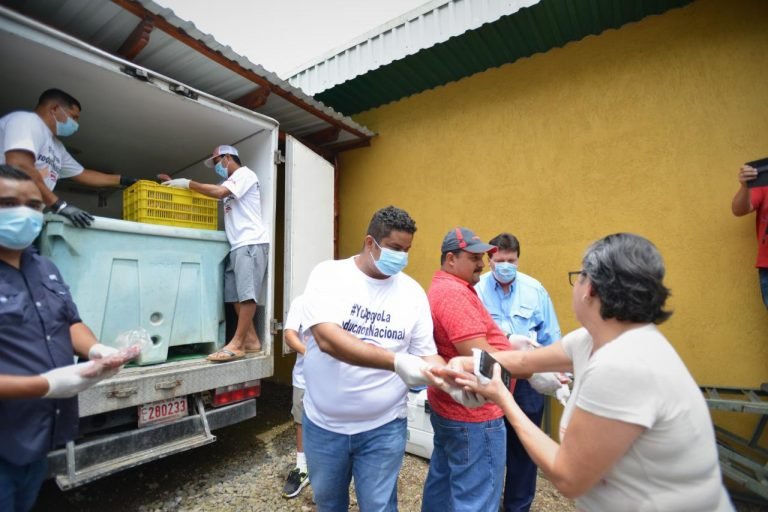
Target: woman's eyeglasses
(573, 277)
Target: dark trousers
(19, 485)
(520, 483)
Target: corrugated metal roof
(447, 40)
(424, 27)
(106, 25)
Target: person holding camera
(748, 200)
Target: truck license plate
(163, 410)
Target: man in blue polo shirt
(40, 331)
(519, 304)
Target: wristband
(59, 205)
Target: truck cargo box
(138, 123)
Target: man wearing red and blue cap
(466, 472)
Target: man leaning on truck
(246, 266)
(40, 331)
(30, 142)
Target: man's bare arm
(338, 343)
(25, 162)
(97, 179)
(22, 386)
(210, 190)
(741, 203)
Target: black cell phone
(486, 369)
(762, 173)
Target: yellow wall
(640, 129)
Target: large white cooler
(124, 275)
(420, 434)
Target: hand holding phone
(484, 368)
(761, 166)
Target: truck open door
(309, 204)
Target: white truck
(137, 122)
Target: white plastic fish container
(124, 275)
(420, 435)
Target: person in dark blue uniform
(40, 332)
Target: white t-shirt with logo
(25, 131)
(390, 313)
(242, 210)
(638, 378)
(295, 322)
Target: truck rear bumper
(89, 460)
(148, 384)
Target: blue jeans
(19, 485)
(520, 484)
(763, 273)
(373, 458)
(466, 472)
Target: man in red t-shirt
(466, 472)
(746, 201)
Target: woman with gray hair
(636, 433)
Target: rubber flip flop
(252, 351)
(231, 356)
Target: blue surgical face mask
(390, 262)
(19, 226)
(504, 272)
(66, 128)
(221, 170)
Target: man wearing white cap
(247, 263)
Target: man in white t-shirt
(372, 334)
(246, 267)
(297, 337)
(30, 142)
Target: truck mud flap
(79, 463)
